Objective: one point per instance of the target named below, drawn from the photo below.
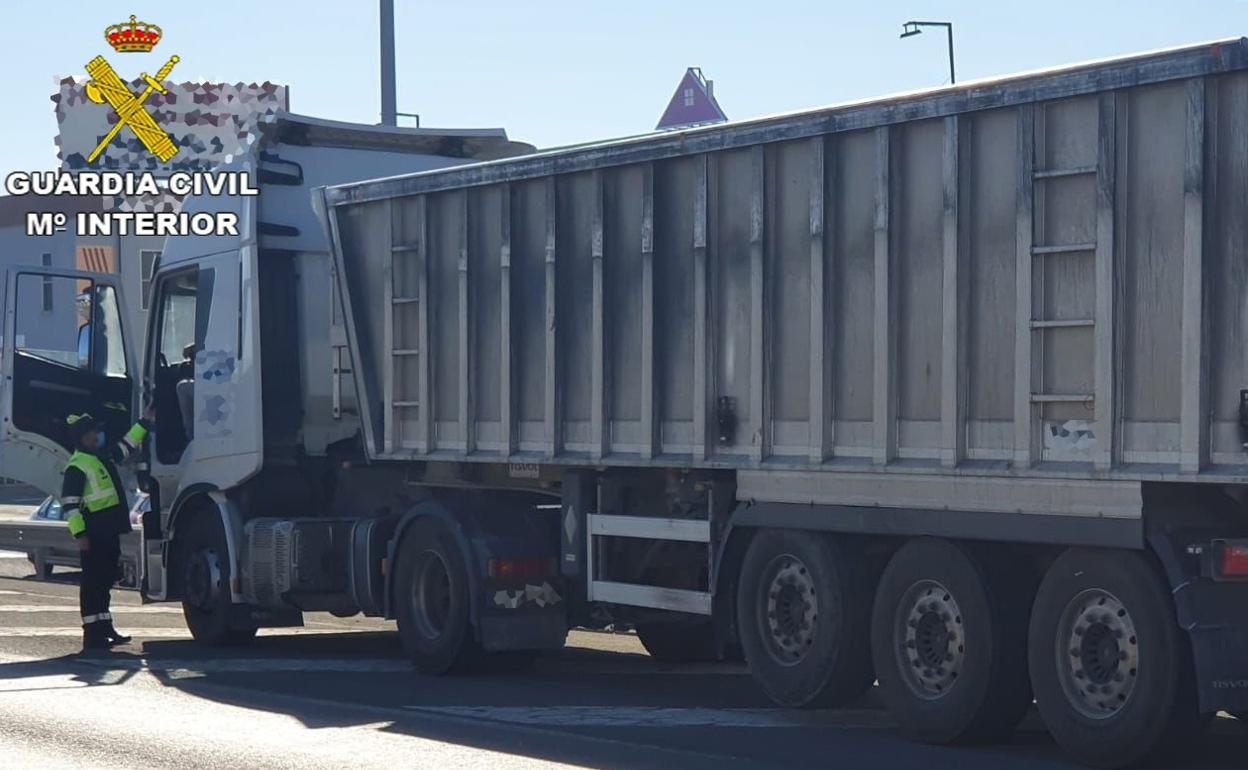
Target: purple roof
(693, 104)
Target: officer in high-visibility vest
(95, 507)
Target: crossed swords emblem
(106, 86)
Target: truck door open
(64, 353)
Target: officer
(95, 507)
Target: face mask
(99, 440)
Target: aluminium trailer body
(985, 336)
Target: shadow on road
(310, 678)
(89, 675)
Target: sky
(556, 72)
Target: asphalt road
(337, 694)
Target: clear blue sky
(557, 71)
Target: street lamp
(912, 28)
(389, 117)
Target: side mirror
(84, 346)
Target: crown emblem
(132, 36)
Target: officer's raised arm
(130, 443)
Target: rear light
(509, 569)
(1232, 559)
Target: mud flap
(529, 615)
(1215, 616)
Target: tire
(1098, 612)
(678, 642)
(210, 615)
(948, 638)
(432, 598)
(802, 612)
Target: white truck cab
(214, 353)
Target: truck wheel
(432, 598)
(206, 604)
(948, 639)
(1108, 659)
(678, 642)
(803, 610)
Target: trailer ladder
(1057, 389)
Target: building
(693, 104)
(45, 307)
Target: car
(45, 558)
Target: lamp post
(388, 110)
(912, 28)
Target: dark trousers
(100, 566)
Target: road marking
(6, 592)
(27, 632)
(150, 609)
(13, 555)
(186, 667)
(658, 716)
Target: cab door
(64, 352)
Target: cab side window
(183, 301)
(69, 359)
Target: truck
(944, 392)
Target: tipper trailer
(945, 390)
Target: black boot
(114, 636)
(94, 637)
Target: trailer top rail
(1228, 55)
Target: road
(337, 693)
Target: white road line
(256, 665)
(29, 632)
(13, 555)
(148, 609)
(657, 716)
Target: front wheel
(1109, 663)
(206, 604)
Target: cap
(80, 425)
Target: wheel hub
(930, 641)
(1098, 653)
(432, 595)
(203, 580)
(790, 610)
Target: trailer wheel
(678, 642)
(803, 611)
(948, 639)
(206, 604)
(432, 598)
(1108, 659)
